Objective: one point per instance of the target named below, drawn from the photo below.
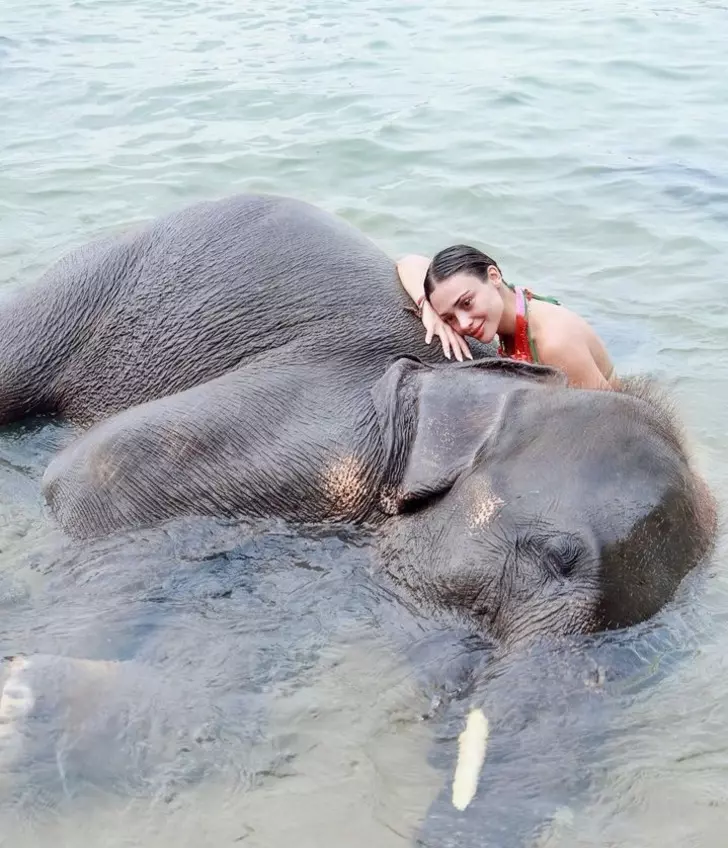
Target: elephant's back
(215, 285)
(199, 292)
(284, 260)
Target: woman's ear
(494, 276)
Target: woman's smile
(477, 331)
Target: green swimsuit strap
(545, 298)
(534, 296)
(531, 344)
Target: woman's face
(470, 306)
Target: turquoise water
(585, 146)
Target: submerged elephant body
(253, 356)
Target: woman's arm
(412, 270)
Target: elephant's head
(532, 508)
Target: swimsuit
(520, 346)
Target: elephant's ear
(432, 422)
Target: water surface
(583, 146)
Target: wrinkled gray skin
(254, 356)
(247, 357)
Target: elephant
(253, 356)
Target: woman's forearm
(411, 271)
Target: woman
(461, 292)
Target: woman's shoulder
(561, 320)
(556, 327)
(566, 335)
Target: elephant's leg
(268, 439)
(69, 724)
(44, 702)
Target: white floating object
(16, 699)
(472, 743)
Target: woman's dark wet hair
(457, 259)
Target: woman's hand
(450, 340)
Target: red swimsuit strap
(519, 347)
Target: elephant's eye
(562, 553)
